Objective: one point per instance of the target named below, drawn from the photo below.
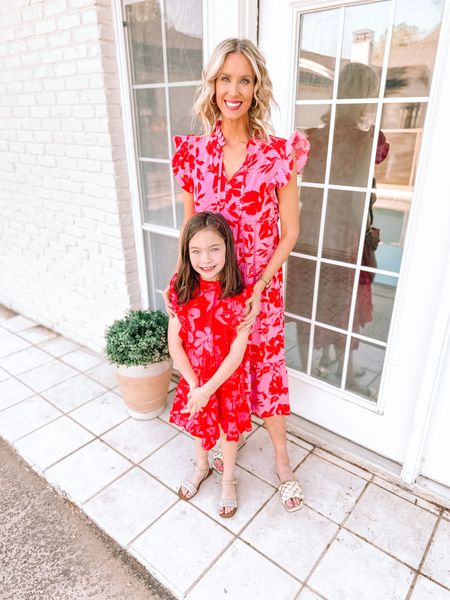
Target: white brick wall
(66, 238)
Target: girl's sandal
(228, 502)
(190, 487)
(218, 456)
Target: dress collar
(206, 286)
(219, 137)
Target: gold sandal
(229, 502)
(190, 487)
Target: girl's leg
(276, 426)
(201, 457)
(229, 451)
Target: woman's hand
(198, 398)
(167, 302)
(254, 304)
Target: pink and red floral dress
(208, 328)
(249, 203)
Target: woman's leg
(201, 457)
(229, 452)
(276, 426)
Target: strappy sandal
(228, 502)
(190, 487)
(288, 491)
(217, 455)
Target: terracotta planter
(145, 389)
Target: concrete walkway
(51, 551)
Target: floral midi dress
(208, 328)
(249, 203)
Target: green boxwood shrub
(140, 338)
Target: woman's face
(207, 253)
(234, 86)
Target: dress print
(208, 328)
(249, 203)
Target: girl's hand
(198, 398)
(254, 304)
(167, 302)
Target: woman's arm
(178, 353)
(290, 227)
(199, 397)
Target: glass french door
(357, 83)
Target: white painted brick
(32, 13)
(25, 31)
(60, 38)
(55, 8)
(44, 27)
(86, 33)
(68, 21)
(65, 68)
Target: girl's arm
(199, 397)
(178, 353)
(290, 227)
(188, 201)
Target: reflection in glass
(392, 225)
(352, 144)
(344, 218)
(335, 292)
(146, 48)
(296, 342)
(152, 126)
(184, 39)
(364, 371)
(380, 304)
(328, 355)
(402, 124)
(162, 253)
(363, 46)
(157, 196)
(413, 47)
(314, 122)
(301, 274)
(317, 54)
(310, 211)
(181, 100)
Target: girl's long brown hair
(187, 284)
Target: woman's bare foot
(285, 473)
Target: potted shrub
(137, 346)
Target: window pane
(364, 369)
(317, 54)
(344, 219)
(296, 343)
(146, 48)
(310, 213)
(392, 225)
(374, 305)
(335, 293)
(184, 39)
(152, 123)
(162, 254)
(314, 122)
(328, 355)
(157, 194)
(301, 274)
(181, 100)
(413, 47)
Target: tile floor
(358, 536)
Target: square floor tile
(104, 374)
(82, 359)
(4, 332)
(38, 334)
(18, 323)
(242, 573)
(252, 494)
(12, 343)
(59, 346)
(329, 489)
(343, 463)
(52, 442)
(180, 545)
(24, 360)
(297, 440)
(12, 391)
(393, 524)
(22, 418)
(355, 570)
(137, 439)
(295, 541)
(46, 376)
(257, 456)
(406, 494)
(437, 562)
(307, 594)
(129, 505)
(73, 392)
(3, 375)
(87, 471)
(102, 413)
(428, 590)
(6, 313)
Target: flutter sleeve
(180, 311)
(183, 161)
(299, 144)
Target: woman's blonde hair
(259, 114)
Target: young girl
(209, 301)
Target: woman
(241, 171)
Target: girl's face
(207, 253)
(234, 86)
